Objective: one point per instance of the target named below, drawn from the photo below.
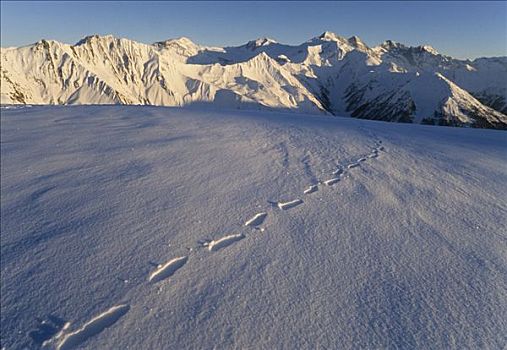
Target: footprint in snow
(338, 171)
(223, 242)
(168, 269)
(311, 189)
(289, 205)
(332, 181)
(93, 327)
(257, 220)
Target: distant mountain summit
(328, 74)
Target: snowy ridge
(328, 74)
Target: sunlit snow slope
(327, 74)
(163, 228)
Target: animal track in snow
(332, 181)
(93, 327)
(311, 189)
(106, 319)
(223, 242)
(168, 269)
(257, 220)
(289, 205)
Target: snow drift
(164, 228)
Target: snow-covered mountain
(328, 74)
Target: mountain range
(328, 74)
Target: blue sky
(461, 29)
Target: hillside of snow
(127, 227)
(327, 74)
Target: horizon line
(244, 43)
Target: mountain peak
(254, 44)
(45, 42)
(330, 36)
(391, 44)
(428, 49)
(262, 56)
(181, 41)
(356, 42)
(94, 37)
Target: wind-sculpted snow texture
(161, 228)
(328, 74)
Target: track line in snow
(311, 189)
(223, 242)
(106, 319)
(93, 327)
(290, 204)
(257, 220)
(168, 269)
(332, 181)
